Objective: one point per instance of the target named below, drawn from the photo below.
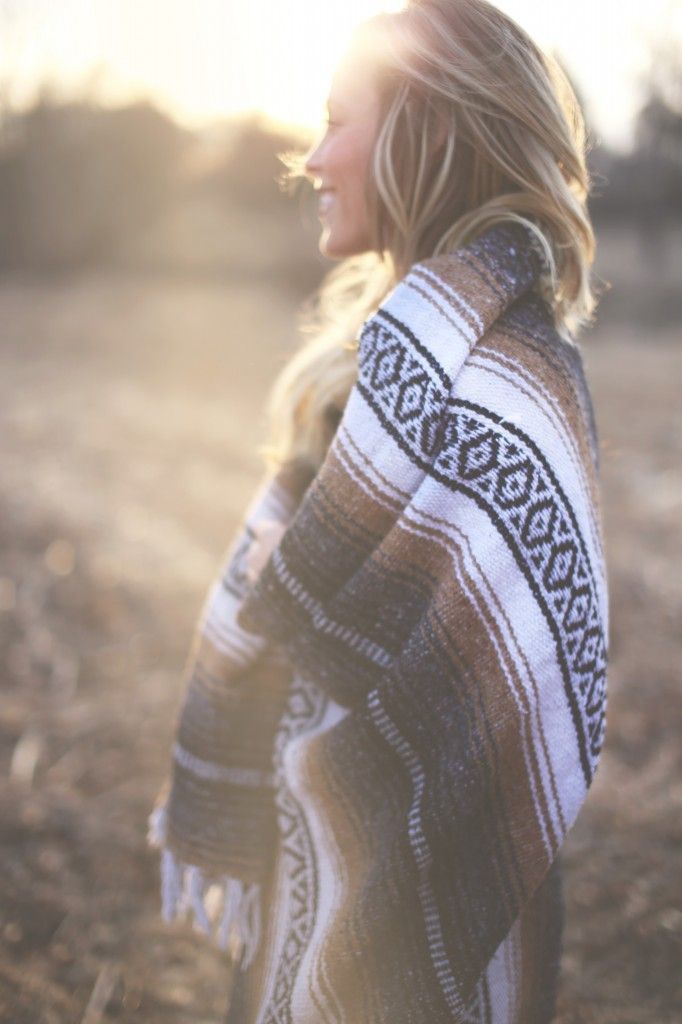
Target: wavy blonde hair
(513, 148)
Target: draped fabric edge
(273, 610)
(224, 908)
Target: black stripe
(454, 485)
(445, 379)
(513, 429)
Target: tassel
(157, 828)
(197, 885)
(171, 885)
(222, 908)
(233, 895)
(249, 923)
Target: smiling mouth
(325, 200)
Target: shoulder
(446, 304)
(421, 323)
(526, 373)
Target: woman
(396, 698)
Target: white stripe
(503, 977)
(219, 624)
(451, 316)
(558, 423)
(462, 303)
(321, 622)
(219, 773)
(505, 399)
(449, 337)
(433, 505)
(539, 646)
(327, 869)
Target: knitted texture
(388, 733)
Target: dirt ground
(129, 412)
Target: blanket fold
(442, 577)
(215, 820)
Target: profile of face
(339, 163)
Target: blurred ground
(129, 412)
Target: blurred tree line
(76, 180)
(645, 186)
(82, 184)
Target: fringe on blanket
(224, 908)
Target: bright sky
(208, 58)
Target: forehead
(353, 86)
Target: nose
(312, 162)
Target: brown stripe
(443, 313)
(538, 364)
(460, 307)
(579, 464)
(450, 597)
(437, 521)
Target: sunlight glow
(210, 58)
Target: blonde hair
(512, 148)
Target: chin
(332, 247)
(338, 248)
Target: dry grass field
(130, 407)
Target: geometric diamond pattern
(235, 580)
(305, 707)
(470, 449)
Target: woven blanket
(442, 579)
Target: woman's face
(339, 164)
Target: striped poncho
(388, 732)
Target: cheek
(356, 170)
(341, 160)
(351, 157)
